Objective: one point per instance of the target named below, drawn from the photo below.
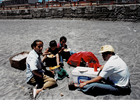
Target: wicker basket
(19, 64)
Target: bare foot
(36, 91)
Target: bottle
(86, 64)
(95, 68)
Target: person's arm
(46, 52)
(57, 59)
(100, 70)
(35, 72)
(58, 46)
(61, 50)
(96, 79)
(101, 67)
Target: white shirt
(32, 63)
(117, 71)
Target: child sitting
(51, 52)
(61, 47)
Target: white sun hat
(106, 48)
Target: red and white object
(82, 74)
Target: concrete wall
(32, 1)
(14, 2)
(106, 12)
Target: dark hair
(63, 37)
(34, 43)
(52, 43)
(111, 53)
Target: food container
(50, 60)
(19, 60)
(66, 54)
(67, 50)
(56, 69)
(82, 74)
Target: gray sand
(17, 35)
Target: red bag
(75, 59)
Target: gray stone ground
(83, 35)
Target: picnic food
(50, 56)
(66, 50)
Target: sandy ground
(17, 35)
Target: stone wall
(104, 12)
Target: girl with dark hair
(51, 52)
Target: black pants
(37, 80)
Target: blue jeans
(101, 89)
(61, 59)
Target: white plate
(51, 56)
(66, 50)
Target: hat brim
(102, 51)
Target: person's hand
(44, 54)
(82, 84)
(62, 48)
(49, 53)
(52, 71)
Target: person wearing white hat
(115, 74)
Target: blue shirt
(33, 62)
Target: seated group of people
(58, 51)
(115, 71)
(36, 71)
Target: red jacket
(89, 57)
